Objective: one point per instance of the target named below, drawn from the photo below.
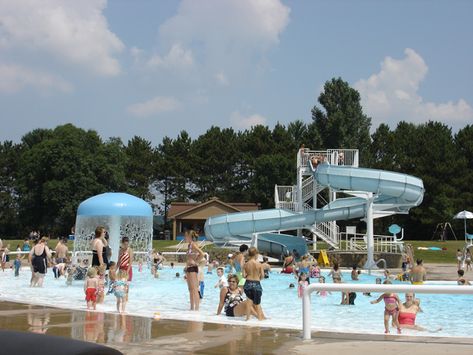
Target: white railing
(304, 156)
(306, 305)
(285, 197)
(343, 157)
(15, 252)
(307, 188)
(137, 255)
(382, 243)
(180, 246)
(356, 243)
(332, 156)
(291, 206)
(329, 232)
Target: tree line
(45, 176)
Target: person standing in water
(39, 256)
(239, 264)
(99, 251)
(194, 256)
(253, 272)
(125, 258)
(418, 274)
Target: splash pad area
(167, 298)
(122, 215)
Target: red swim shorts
(91, 294)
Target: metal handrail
(436, 289)
(325, 229)
(15, 252)
(382, 243)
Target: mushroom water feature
(122, 215)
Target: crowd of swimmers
(100, 275)
(239, 281)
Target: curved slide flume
(391, 191)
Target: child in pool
(315, 270)
(17, 265)
(90, 288)
(120, 290)
(101, 283)
(112, 276)
(322, 293)
(391, 308)
(303, 283)
(354, 273)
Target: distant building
(193, 214)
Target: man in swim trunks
(61, 251)
(253, 272)
(418, 274)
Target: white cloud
(391, 95)
(221, 78)
(74, 31)
(225, 36)
(178, 57)
(13, 78)
(239, 121)
(154, 106)
(252, 22)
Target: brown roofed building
(193, 214)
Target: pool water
(167, 297)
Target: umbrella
(464, 215)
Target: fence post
(306, 314)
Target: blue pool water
(167, 297)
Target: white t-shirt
(222, 282)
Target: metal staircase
(286, 198)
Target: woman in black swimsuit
(39, 262)
(99, 250)
(232, 298)
(194, 256)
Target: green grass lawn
(447, 256)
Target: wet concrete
(143, 336)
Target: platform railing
(382, 243)
(348, 157)
(435, 289)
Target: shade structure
(122, 215)
(464, 215)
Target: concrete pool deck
(139, 335)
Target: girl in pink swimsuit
(391, 309)
(323, 293)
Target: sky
(153, 68)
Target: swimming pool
(168, 296)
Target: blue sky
(154, 68)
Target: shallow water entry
(167, 298)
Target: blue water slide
(392, 191)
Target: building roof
(182, 209)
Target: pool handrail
(436, 289)
(24, 252)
